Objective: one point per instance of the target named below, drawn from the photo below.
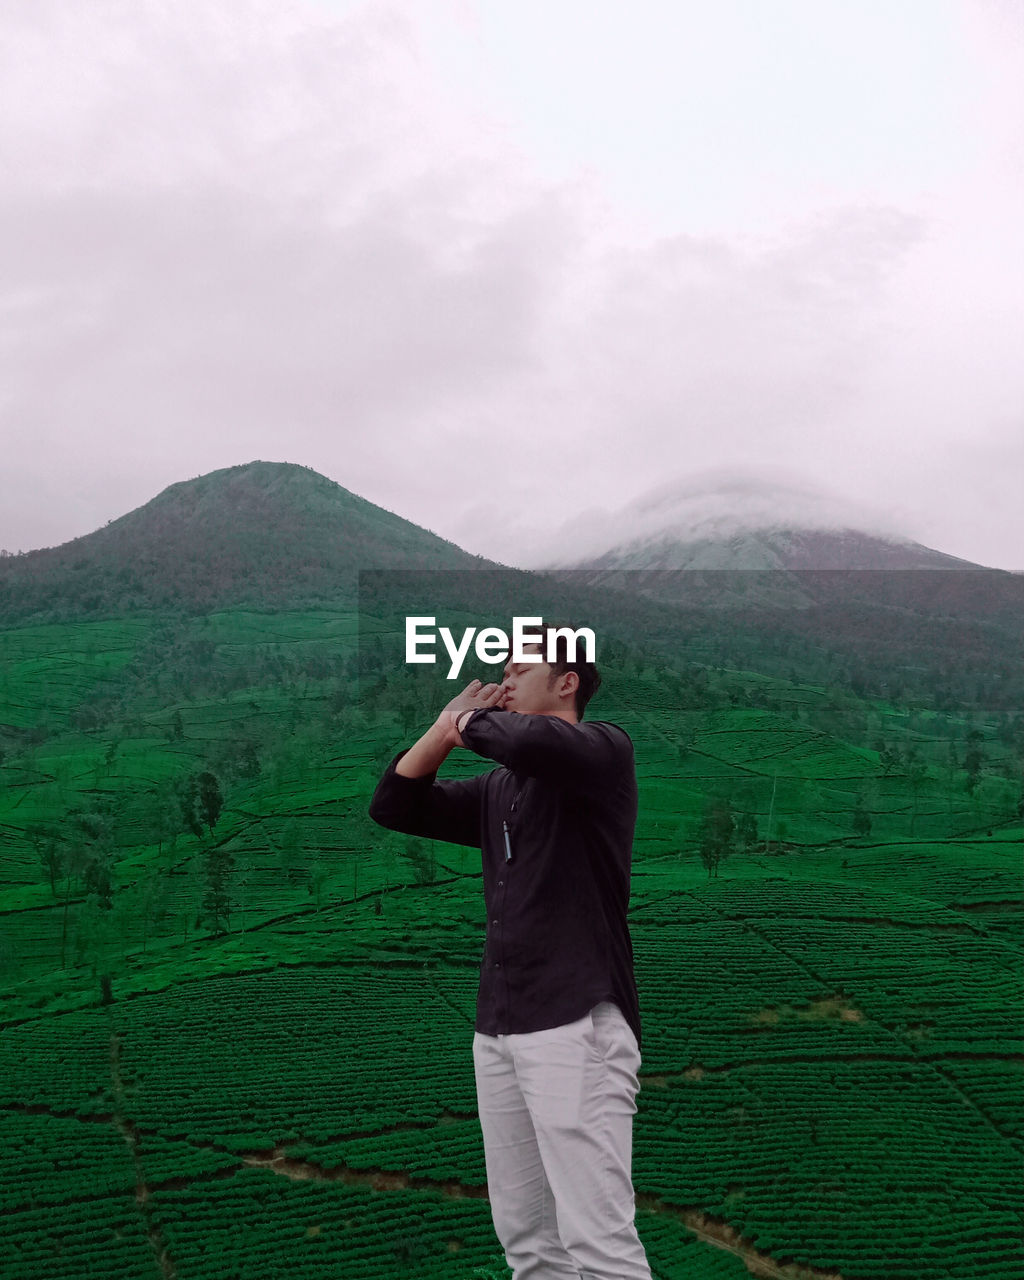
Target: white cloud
(263, 229)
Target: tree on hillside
(319, 874)
(92, 830)
(210, 800)
(973, 759)
(917, 772)
(216, 904)
(148, 896)
(771, 812)
(857, 679)
(360, 840)
(888, 757)
(75, 856)
(94, 934)
(191, 896)
(952, 760)
(861, 818)
(409, 716)
(165, 814)
(42, 837)
(746, 829)
(199, 801)
(382, 756)
(90, 856)
(187, 791)
(715, 834)
(687, 737)
(423, 859)
(248, 761)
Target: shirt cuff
(392, 772)
(463, 718)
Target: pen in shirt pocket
(504, 825)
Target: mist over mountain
(739, 518)
(713, 574)
(268, 534)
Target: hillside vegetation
(237, 1015)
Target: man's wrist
(426, 756)
(444, 730)
(461, 717)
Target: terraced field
(833, 1074)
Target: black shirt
(557, 939)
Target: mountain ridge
(776, 547)
(260, 532)
(740, 518)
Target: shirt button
(494, 922)
(500, 883)
(497, 964)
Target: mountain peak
(261, 533)
(743, 518)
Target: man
(556, 1046)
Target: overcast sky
(507, 267)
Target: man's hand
(427, 754)
(474, 697)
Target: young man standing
(556, 1046)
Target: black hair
(589, 676)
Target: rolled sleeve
(586, 755)
(448, 810)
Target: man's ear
(570, 683)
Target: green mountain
(264, 534)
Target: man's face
(527, 690)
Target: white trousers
(556, 1110)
